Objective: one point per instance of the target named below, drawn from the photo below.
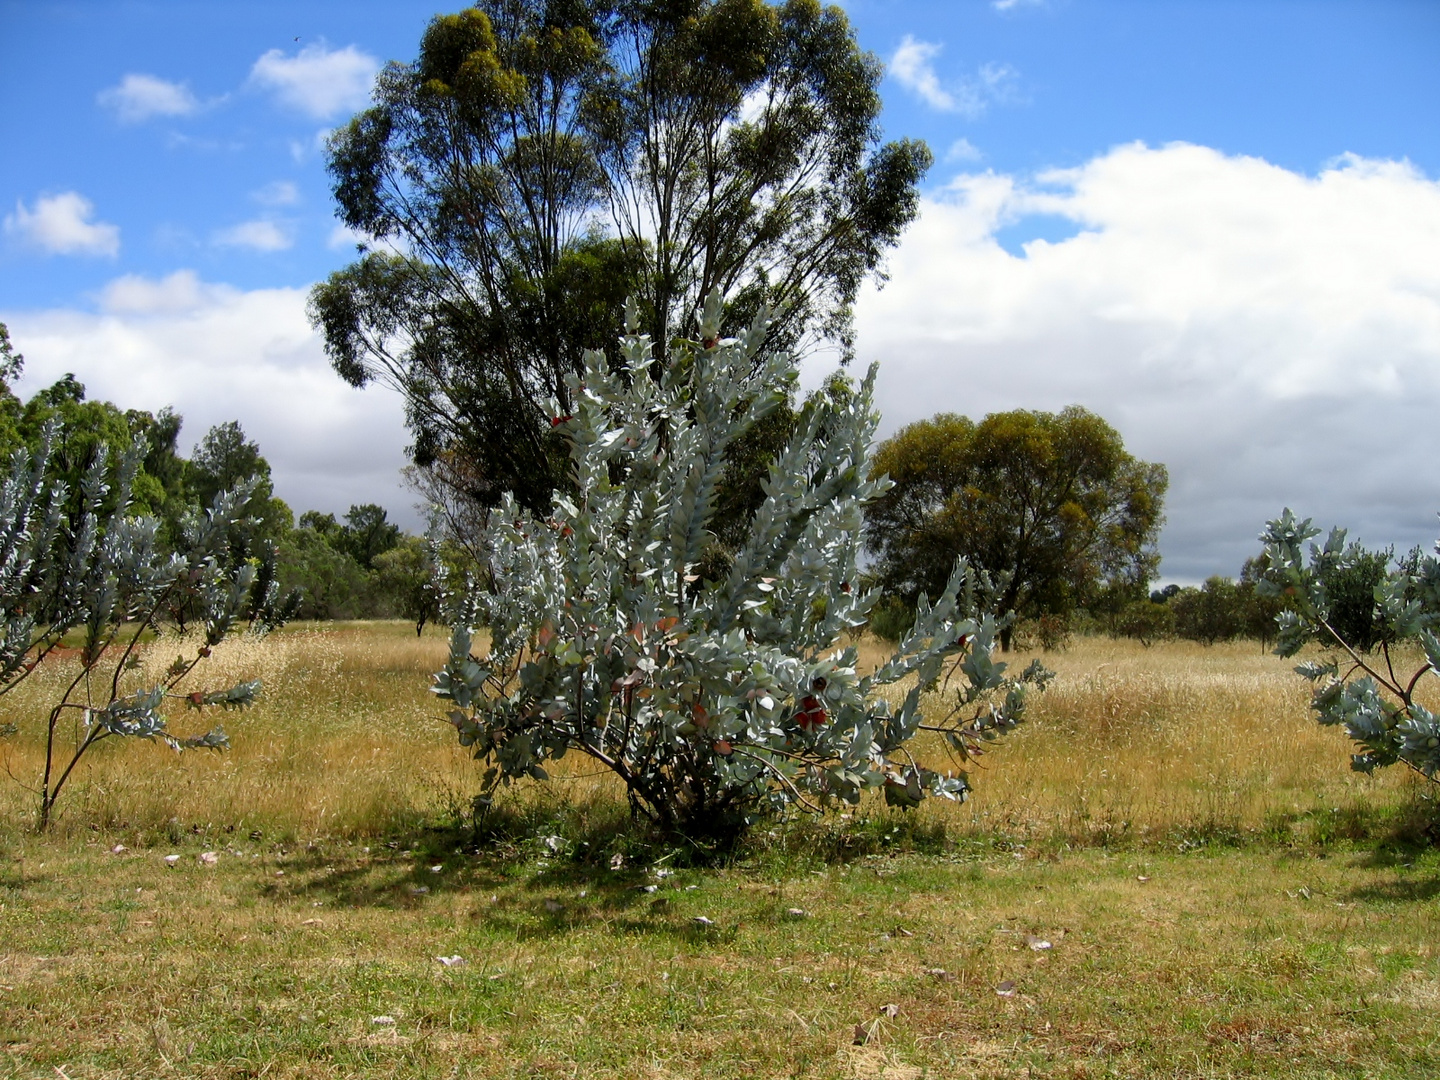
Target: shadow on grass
(1398, 892)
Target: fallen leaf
(438, 868)
(119, 849)
(312, 922)
(553, 906)
(383, 1021)
(646, 888)
(418, 890)
(208, 858)
(659, 905)
(797, 913)
(617, 861)
(1037, 944)
(451, 961)
(701, 920)
(903, 932)
(892, 1010)
(941, 974)
(171, 860)
(1143, 878)
(862, 1034)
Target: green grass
(276, 962)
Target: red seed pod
(556, 421)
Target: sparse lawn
(1221, 896)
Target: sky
(1215, 224)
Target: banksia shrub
(716, 699)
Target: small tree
(713, 700)
(101, 576)
(1354, 687)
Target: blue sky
(1212, 222)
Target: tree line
(361, 565)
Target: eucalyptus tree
(543, 160)
(1051, 500)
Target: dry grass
(345, 740)
(1128, 744)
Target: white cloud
(1273, 338)
(318, 81)
(261, 234)
(181, 291)
(277, 193)
(218, 353)
(61, 225)
(913, 67)
(139, 97)
(1013, 5)
(963, 150)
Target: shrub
(1146, 621)
(1353, 688)
(98, 574)
(713, 700)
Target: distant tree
(541, 161)
(1260, 607)
(1210, 613)
(1052, 500)
(223, 459)
(331, 584)
(11, 361)
(1147, 621)
(367, 534)
(11, 364)
(410, 581)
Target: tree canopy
(541, 160)
(1052, 500)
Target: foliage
(330, 583)
(1353, 687)
(99, 572)
(409, 578)
(1208, 614)
(1147, 621)
(225, 458)
(540, 162)
(712, 699)
(1051, 500)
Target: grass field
(1220, 895)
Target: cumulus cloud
(1272, 337)
(913, 67)
(219, 353)
(139, 97)
(318, 82)
(61, 225)
(261, 234)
